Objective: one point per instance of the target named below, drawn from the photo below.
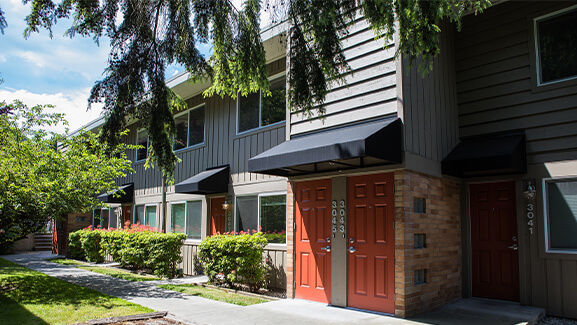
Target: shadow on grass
(14, 313)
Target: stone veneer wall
(441, 258)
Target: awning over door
(211, 181)
(494, 154)
(363, 145)
(117, 197)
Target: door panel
(217, 216)
(313, 265)
(371, 266)
(495, 266)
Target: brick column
(290, 218)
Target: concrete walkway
(196, 310)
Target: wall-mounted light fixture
(530, 192)
(227, 203)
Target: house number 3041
(530, 216)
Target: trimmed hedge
(133, 248)
(235, 259)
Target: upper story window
(142, 139)
(561, 215)
(556, 46)
(256, 110)
(189, 128)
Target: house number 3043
(530, 216)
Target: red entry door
(495, 261)
(372, 251)
(217, 216)
(313, 260)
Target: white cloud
(2, 58)
(72, 104)
(37, 59)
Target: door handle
(513, 247)
(328, 248)
(352, 249)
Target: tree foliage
(45, 175)
(147, 35)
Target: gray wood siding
(222, 145)
(370, 89)
(275, 257)
(494, 70)
(430, 104)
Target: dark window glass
(177, 217)
(193, 219)
(139, 215)
(196, 126)
(562, 214)
(247, 213)
(150, 215)
(274, 106)
(557, 41)
(248, 112)
(112, 219)
(273, 216)
(142, 139)
(181, 123)
(96, 218)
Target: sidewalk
(196, 310)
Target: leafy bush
(75, 250)
(235, 259)
(275, 237)
(137, 247)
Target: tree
(45, 175)
(147, 35)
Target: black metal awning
(211, 181)
(494, 154)
(117, 197)
(369, 144)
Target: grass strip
(214, 294)
(121, 274)
(31, 297)
(65, 261)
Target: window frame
(258, 195)
(135, 215)
(187, 112)
(185, 217)
(260, 126)
(94, 226)
(535, 57)
(545, 182)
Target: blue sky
(59, 71)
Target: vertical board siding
(493, 62)
(369, 90)
(493, 54)
(274, 257)
(430, 104)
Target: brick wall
(441, 258)
(290, 213)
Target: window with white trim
(256, 110)
(561, 215)
(145, 215)
(265, 213)
(142, 140)
(556, 46)
(101, 219)
(186, 218)
(189, 128)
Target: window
(556, 46)
(266, 213)
(186, 218)
(101, 219)
(145, 215)
(561, 212)
(255, 110)
(189, 128)
(142, 139)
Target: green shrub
(235, 259)
(91, 244)
(112, 243)
(164, 253)
(75, 250)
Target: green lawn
(121, 274)
(65, 261)
(214, 294)
(30, 297)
